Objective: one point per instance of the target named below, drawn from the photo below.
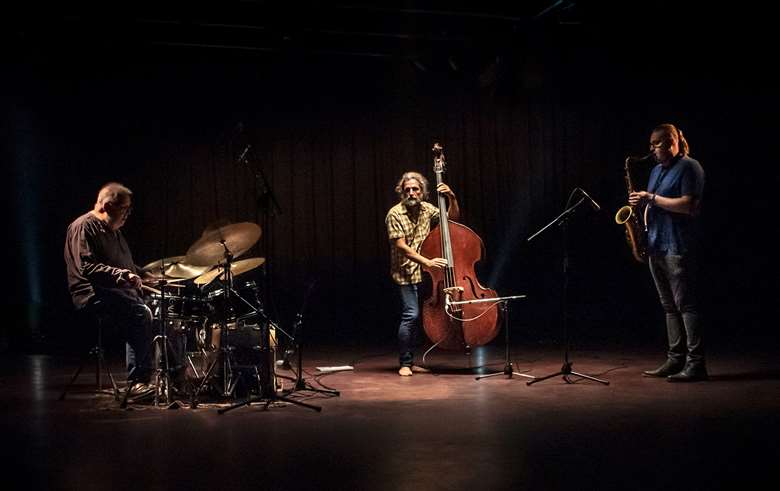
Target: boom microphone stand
(267, 206)
(508, 370)
(562, 221)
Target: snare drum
(183, 307)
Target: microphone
(243, 154)
(592, 201)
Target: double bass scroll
(449, 320)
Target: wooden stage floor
(443, 430)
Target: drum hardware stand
(562, 221)
(504, 305)
(159, 342)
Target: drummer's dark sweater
(97, 261)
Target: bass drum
(245, 338)
(251, 345)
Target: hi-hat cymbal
(209, 250)
(236, 268)
(174, 267)
(154, 267)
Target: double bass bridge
(449, 293)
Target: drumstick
(153, 290)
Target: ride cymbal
(236, 268)
(210, 249)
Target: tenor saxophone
(636, 224)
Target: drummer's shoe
(142, 390)
(405, 371)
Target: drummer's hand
(135, 280)
(445, 190)
(130, 280)
(437, 262)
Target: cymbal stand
(228, 384)
(565, 371)
(504, 305)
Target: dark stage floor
(431, 431)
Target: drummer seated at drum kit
(103, 280)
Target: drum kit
(214, 337)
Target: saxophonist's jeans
(675, 280)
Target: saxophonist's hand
(639, 197)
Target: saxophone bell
(623, 215)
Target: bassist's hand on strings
(445, 190)
(437, 262)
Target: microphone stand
(266, 204)
(566, 370)
(508, 369)
(300, 382)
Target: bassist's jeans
(407, 330)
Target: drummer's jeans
(407, 330)
(132, 320)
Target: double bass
(458, 326)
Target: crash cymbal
(175, 267)
(236, 268)
(209, 249)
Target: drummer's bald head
(112, 192)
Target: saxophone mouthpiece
(650, 156)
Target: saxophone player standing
(674, 194)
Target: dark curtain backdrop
(330, 137)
